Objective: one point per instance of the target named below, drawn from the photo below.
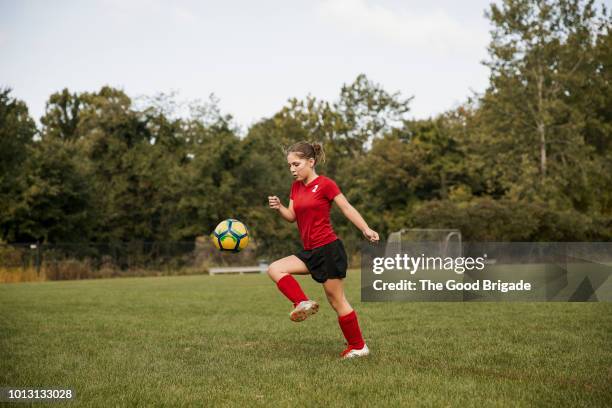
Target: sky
(253, 56)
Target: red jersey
(311, 204)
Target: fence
(27, 262)
(39, 262)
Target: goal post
(447, 242)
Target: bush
(486, 219)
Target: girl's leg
(334, 290)
(280, 272)
(285, 266)
(347, 318)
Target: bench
(262, 268)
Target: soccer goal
(439, 242)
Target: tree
(542, 55)
(114, 140)
(348, 127)
(262, 171)
(209, 190)
(61, 119)
(17, 131)
(57, 203)
(368, 112)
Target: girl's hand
(370, 235)
(274, 202)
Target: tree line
(529, 159)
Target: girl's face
(300, 168)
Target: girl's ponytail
(319, 153)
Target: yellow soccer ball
(230, 235)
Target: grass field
(227, 341)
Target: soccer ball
(230, 235)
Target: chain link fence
(63, 261)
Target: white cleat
(304, 309)
(351, 352)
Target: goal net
(436, 242)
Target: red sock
(291, 288)
(350, 329)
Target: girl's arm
(287, 213)
(353, 215)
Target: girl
(323, 256)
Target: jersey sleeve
(331, 189)
(291, 193)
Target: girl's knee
(341, 307)
(274, 272)
(337, 302)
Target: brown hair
(308, 150)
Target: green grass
(227, 341)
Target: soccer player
(323, 256)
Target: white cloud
(433, 31)
(126, 10)
(184, 14)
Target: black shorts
(325, 262)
